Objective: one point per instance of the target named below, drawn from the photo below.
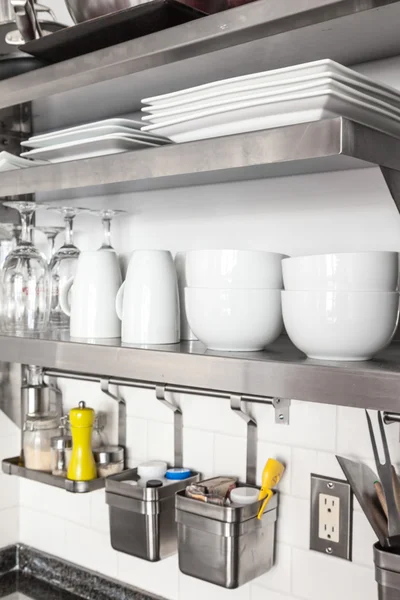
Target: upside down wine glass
(63, 265)
(25, 284)
(51, 232)
(107, 216)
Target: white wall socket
(331, 516)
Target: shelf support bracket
(392, 178)
(178, 424)
(251, 453)
(105, 388)
(282, 411)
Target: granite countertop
(28, 574)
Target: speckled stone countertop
(40, 576)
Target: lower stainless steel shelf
(279, 371)
(11, 467)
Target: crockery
(244, 320)
(234, 269)
(148, 301)
(339, 325)
(277, 77)
(93, 292)
(180, 266)
(357, 271)
(276, 111)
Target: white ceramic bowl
(234, 269)
(330, 325)
(350, 271)
(234, 320)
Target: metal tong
(26, 19)
(385, 474)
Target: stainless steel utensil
(362, 480)
(385, 473)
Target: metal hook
(251, 458)
(178, 424)
(105, 388)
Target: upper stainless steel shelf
(259, 36)
(309, 147)
(280, 371)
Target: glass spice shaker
(61, 451)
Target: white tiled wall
(9, 486)
(342, 211)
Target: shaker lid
(36, 422)
(104, 455)
(178, 473)
(62, 442)
(81, 416)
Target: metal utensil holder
(142, 520)
(387, 573)
(227, 545)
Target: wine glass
(51, 232)
(63, 265)
(107, 216)
(25, 284)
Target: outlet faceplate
(331, 516)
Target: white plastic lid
(153, 469)
(244, 495)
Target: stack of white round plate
(302, 93)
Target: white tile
(293, 525)
(363, 540)
(304, 462)
(9, 486)
(316, 576)
(136, 439)
(266, 450)
(99, 512)
(258, 592)
(190, 587)
(311, 425)
(198, 451)
(9, 526)
(279, 577)
(90, 549)
(230, 456)
(352, 425)
(211, 414)
(143, 404)
(160, 442)
(42, 531)
(161, 578)
(7, 427)
(328, 466)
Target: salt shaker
(61, 451)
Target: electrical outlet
(331, 516)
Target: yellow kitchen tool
(271, 476)
(82, 466)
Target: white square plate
(276, 111)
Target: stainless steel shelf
(280, 371)
(332, 144)
(258, 36)
(11, 466)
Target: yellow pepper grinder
(82, 466)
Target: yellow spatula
(271, 476)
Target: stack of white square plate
(109, 136)
(11, 162)
(298, 94)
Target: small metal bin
(387, 573)
(142, 520)
(227, 546)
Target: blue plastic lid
(178, 473)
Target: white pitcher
(91, 303)
(148, 301)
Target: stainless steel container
(142, 519)
(387, 573)
(227, 546)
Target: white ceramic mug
(148, 301)
(91, 303)
(180, 265)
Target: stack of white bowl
(342, 306)
(233, 298)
